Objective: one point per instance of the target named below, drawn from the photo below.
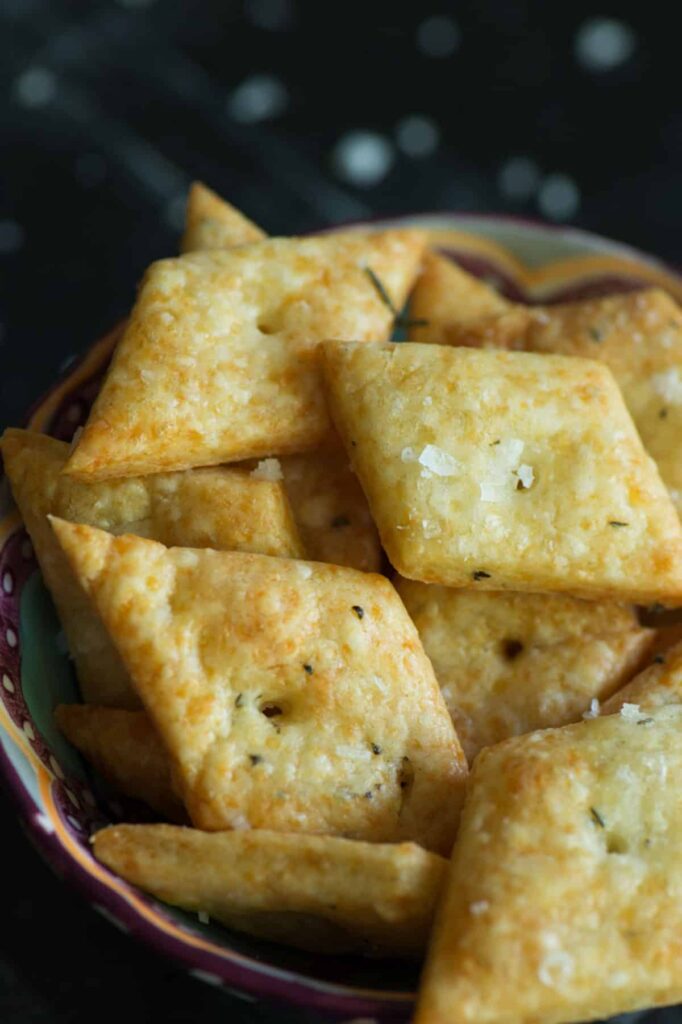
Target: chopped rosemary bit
(400, 319)
(645, 721)
(308, 668)
(663, 414)
(596, 334)
(376, 749)
(659, 660)
(368, 794)
(360, 612)
(615, 522)
(255, 758)
(597, 818)
(271, 710)
(480, 574)
(494, 442)
(340, 521)
(239, 700)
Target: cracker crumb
(630, 712)
(268, 469)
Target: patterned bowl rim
(242, 975)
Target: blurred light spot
(11, 237)
(438, 36)
(559, 197)
(258, 98)
(601, 44)
(175, 212)
(35, 87)
(91, 169)
(417, 135)
(273, 15)
(363, 158)
(518, 178)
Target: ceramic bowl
(61, 802)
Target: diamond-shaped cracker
(659, 684)
(212, 223)
(331, 509)
(290, 695)
(315, 892)
(505, 470)
(220, 359)
(206, 508)
(446, 299)
(564, 899)
(511, 663)
(126, 751)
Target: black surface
(125, 103)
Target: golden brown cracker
(447, 299)
(212, 223)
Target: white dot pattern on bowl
(7, 683)
(7, 583)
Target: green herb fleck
(376, 749)
(271, 710)
(492, 443)
(255, 758)
(663, 414)
(645, 721)
(360, 612)
(239, 700)
(596, 334)
(308, 668)
(368, 794)
(597, 818)
(340, 521)
(616, 522)
(480, 574)
(659, 660)
(400, 319)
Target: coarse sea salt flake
(438, 461)
(630, 712)
(668, 385)
(268, 469)
(593, 710)
(478, 908)
(526, 475)
(556, 967)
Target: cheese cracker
(447, 299)
(220, 359)
(316, 892)
(564, 898)
(659, 684)
(505, 470)
(212, 223)
(284, 691)
(510, 663)
(225, 508)
(126, 751)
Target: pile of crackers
(358, 619)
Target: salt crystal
(268, 469)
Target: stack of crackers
(358, 621)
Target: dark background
(302, 114)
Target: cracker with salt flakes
(505, 471)
(126, 751)
(511, 663)
(284, 691)
(446, 299)
(213, 223)
(331, 510)
(659, 684)
(564, 897)
(319, 893)
(225, 508)
(220, 358)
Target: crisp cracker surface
(657, 685)
(224, 508)
(284, 691)
(448, 299)
(507, 470)
(331, 510)
(126, 751)
(316, 892)
(220, 359)
(213, 223)
(564, 899)
(511, 663)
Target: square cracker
(511, 663)
(225, 508)
(220, 359)
(212, 223)
(659, 684)
(564, 898)
(505, 470)
(284, 691)
(126, 751)
(315, 892)
(448, 299)
(331, 510)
